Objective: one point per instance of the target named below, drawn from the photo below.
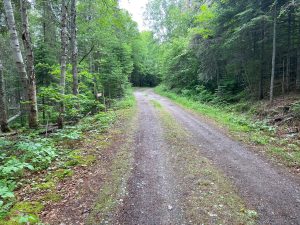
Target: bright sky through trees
(136, 8)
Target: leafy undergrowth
(32, 166)
(245, 128)
(208, 197)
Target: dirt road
(157, 191)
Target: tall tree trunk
(262, 64)
(3, 113)
(74, 47)
(273, 54)
(32, 100)
(63, 62)
(298, 70)
(288, 61)
(15, 45)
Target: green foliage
(39, 155)
(127, 102)
(71, 134)
(205, 21)
(145, 71)
(225, 46)
(26, 155)
(53, 197)
(6, 190)
(296, 109)
(14, 168)
(76, 107)
(60, 174)
(76, 159)
(26, 212)
(49, 185)
(241, 126)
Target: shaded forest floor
(66, 170)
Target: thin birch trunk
(273, 55)
(3, 113)
(32, 100)
(74, 47)
(15, 45)
(63, 62)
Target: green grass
(156, 104)
(242, 127)
(231, 120)
(127, 102)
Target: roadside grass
(208, 197)
(243, 128)
(33, 165)
(156, 104)
(114, 190)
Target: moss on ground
(59, 174)
(49, 185)
(24, 213)
(77, 159)
(52, 197)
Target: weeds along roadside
(40, 161)
(243, 127)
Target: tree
(28, 85)
(15, 45)
(63, 61)
(33, 110)
(231, 42)
(74, 49)
(274, 52)
(3, 113)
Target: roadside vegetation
(65, 72)
(32, 165)
(243, 121)
(235, 62)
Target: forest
(70, 70)
(236, 49)
(227, 49)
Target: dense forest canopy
(63, 59)
(231, 48)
